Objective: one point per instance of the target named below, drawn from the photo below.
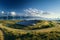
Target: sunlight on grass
(39, 32)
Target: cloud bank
(39, 13)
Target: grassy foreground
(43, 30)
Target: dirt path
(1, 35)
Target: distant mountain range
(26, 18)
(20, 17)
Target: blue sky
(20, 5)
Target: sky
(32, 6)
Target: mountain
(24, 17)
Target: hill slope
(52, 33)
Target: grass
(50, 33)
(39, 25)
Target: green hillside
(43, 30)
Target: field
(43, 30)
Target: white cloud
(38, 13)
(2, 12)
(13, 13)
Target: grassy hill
(43, 30)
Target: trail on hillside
(1, 35)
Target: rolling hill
(43, 30)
